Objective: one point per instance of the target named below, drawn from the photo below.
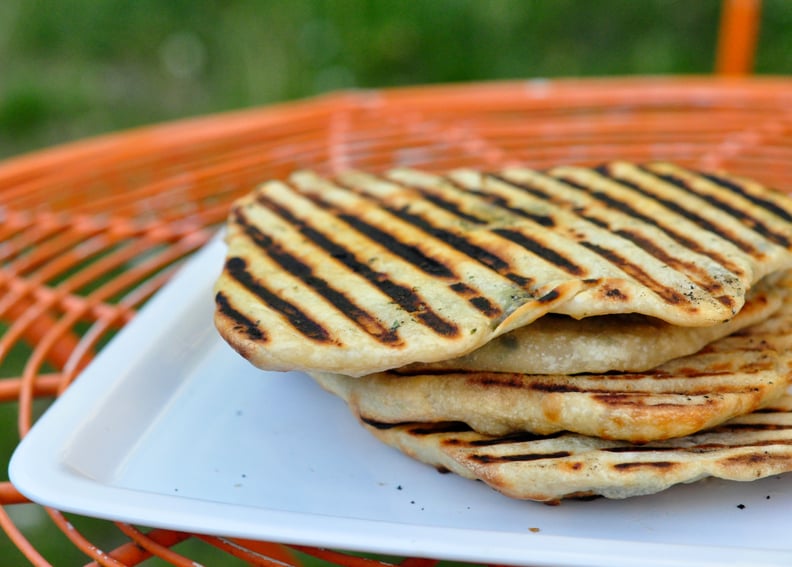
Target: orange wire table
(90, 230)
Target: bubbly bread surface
(361, 273)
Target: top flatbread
(362, 273)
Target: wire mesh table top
(90, 230)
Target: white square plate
(168, 427)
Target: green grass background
(74, 68)
(70, 69)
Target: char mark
(458, 242)
(753, 223)
(636, 448)
(452, 207)
(520, 280)
(443, 427)
(402, 295)
(702, 277)
(419, 429)
(671, 296)
(376, 424)
(540, 219)
(299, 269)
(658, 465)
(521, 457)
(693, 217)
(518, 437)
(550, 296)
(411, 254)
(758, 201)
(237, 269)
(626, 209)
(253, 331)
(480, 302)
(541, 250)
(755, 427)
(485, 306)
(527, 188)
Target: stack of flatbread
(572, 332)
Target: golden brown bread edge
(567, 465)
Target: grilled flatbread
(567, 465)
(557, 344)
(729, 377)
(362, 273)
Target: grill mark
(521, 281)
(711, 285)
(462, 289)
(411, 254)
(237, 269)
(771, 410)
(363, 319)
(660, 465)
(381, 425)
(485, 306)
(419, 429)
(530, 189)
(485, 257)
(696, 219)
(480, 302)
(523, 457)
(452, 208)
(540, 219)
(249, 327)
(752, 222)
(550, 296)
(678, 237)
(729, 427)
(402, 295)
(461, 244)
(481, 255)
(694, 271)
(699, 448)
(521, 437)
(439, 428)
(515, 381)
(417, 258)
(638, 399)
(669, 295)
(758, 201)
(636, 448)
(541, 250)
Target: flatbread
(558, 344)
(361, 273)
(729, 377)
(566, 465)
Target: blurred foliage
(73, 68)
(76, 68)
